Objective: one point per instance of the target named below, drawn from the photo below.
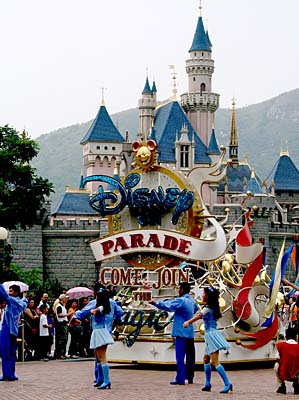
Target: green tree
(22, 192)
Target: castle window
(184, 156)
(113, 148)
(98, 147)
(202, 88)
(202, 54)
(194, 79)
(106, 148)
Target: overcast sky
(56, 55)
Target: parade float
(160, 226)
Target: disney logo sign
(140, 201)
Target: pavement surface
(73, 380)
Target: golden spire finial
(103, 99)
(233, 134)
(200, 8)
(233, 103)
(286, 152)
(174, 88)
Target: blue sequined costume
(214, 340)
(9, 333)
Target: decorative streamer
(244, 303)
(275, 283)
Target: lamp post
(3, 237)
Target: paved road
(72, 380)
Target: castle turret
(102, 147)
(147, 105)
(200, 102)
(213, 149)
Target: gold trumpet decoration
(227, 271)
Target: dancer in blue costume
(213, 338)
(9, 330)
(100, 320)
(183, 307)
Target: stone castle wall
(62, 251)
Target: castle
(186, 137)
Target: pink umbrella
(23, 286)
(78, 292)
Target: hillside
(263, 129)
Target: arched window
(184, 156)
(202, 88)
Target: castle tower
(200, 102)
(102, 147)
(147, 105)
(233, 140)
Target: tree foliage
(22, 192)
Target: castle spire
(200, 100)
(147, 104)
(103, 97)
(200, 40)
(147, 88)
(284, 152)
(233, 142)
(174, 88)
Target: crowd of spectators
(45, 331)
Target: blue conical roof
(103, 129)
(154, 89)
(253, 185)
(147, 89)
(208, 39)
(284, 174)
(213, 145)
(201, 40)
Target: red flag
(244, 237)
(294, 257)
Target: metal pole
(23, 340)
(3, 237)
(2, 243)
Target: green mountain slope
(263, 130)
